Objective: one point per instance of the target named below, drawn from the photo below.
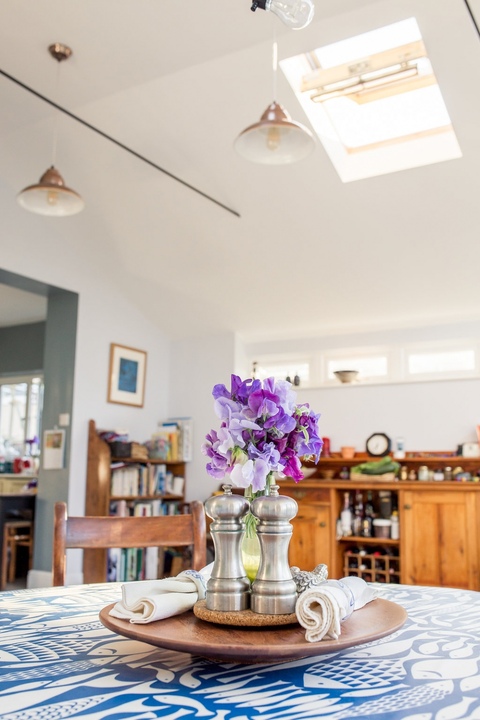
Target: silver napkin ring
(304, 579)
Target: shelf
(421, 459)
(145, 461)
(146, 497)
(360, 540)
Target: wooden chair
(90, 533)
(16, 533)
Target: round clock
(378, 445)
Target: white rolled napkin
(145, 601)
(322, 608)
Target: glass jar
(423, 472)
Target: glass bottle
(358, 516)
(346, 516)
(369, 515)
(395, 527)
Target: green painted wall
(59, 364)
(22, 348)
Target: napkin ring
(304, 579)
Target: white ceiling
(177, 81)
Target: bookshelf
(127, 486)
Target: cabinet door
(311, 541)
(439, 538)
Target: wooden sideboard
(439, 523)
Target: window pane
(374, 366)
(35, 412)
(13, 405)
(437, 362)
(283, 370)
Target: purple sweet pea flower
(220, 391)
(281, 423)
(262, 431)
(224, 406)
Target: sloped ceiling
(176, 81)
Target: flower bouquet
(263, 434)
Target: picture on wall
(127, 375)
(53, 455)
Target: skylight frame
(422, 142)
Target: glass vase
(251, 551)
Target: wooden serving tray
(187, 633)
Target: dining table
(59, 660)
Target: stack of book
(172, 441)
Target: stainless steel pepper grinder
(228, 588)
(273, 590)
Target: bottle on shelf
(395, 527)
(369, 516)
(346, 517)
(358, 514)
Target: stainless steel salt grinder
(228, 588)
(274, 590)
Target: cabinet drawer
(308, 495)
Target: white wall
(63, 252)
(429, 415)
(197, 365)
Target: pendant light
(50, 196)
(275, 139)
(296, 14)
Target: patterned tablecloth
(58, 661)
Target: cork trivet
(241, 618)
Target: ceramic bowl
(346, 376)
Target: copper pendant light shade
(275, 139)
(50, 196)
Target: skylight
(374, 102)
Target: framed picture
(126, 384)
(53, 449)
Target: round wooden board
(187, 633)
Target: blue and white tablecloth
(58, 661)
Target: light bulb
(273, 138)
(296, 14)
(52, 197)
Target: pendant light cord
(274, 60)
(56, 117)
(472, 16)
(116, 142)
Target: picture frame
(53, 455)
(126, 377)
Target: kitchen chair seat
(91, 533)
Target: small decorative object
(470, 450)
(274, 591)
(228, 587)
(400, 450)
(127, 375)
(304, 579)
(263, 432)
(346, 376)
(378, 444)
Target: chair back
(127, 532)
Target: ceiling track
(472, 16)
(116, 142)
